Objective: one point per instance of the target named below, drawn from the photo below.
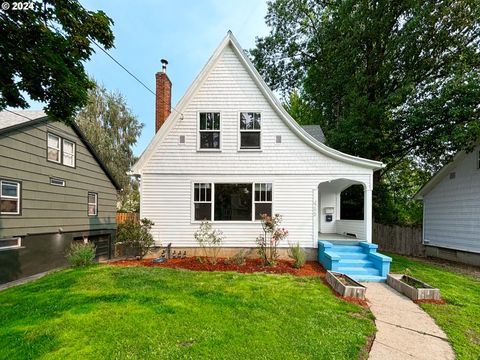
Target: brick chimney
(163, 97)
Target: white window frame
(19, 243)
(200, 201)
(57, 182)
(478, 159)
(94, 203)
(266, 201)
(59, 149)
(228, 181)
(199, 148)
(18, 197)
(240, 131)
(65, 153)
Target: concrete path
(405, 331)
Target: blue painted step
(348, 249)
(350, 271)
(355, 263)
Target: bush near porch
(137, 312)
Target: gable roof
(230, 40)
(315, 131)
(439, 175)
(10, 121)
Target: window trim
(212, 197)
(199, 149)
(61, 150)
(228, 181)
(60, 142)
(18, 197)
(89, 203)
(52, 178)
(261, 201)
(239, 132)
(74, 155)
(478, 159)
(12, 247)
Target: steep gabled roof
(10, 121)
(230, 40)
(315, 131)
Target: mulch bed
(430, 301)
(311, 268)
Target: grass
(460, 318)
(103, 312)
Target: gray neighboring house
(54, 190)
(451, 210)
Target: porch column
(367, 214)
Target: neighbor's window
(10, 243)
(92, 204)
(9, 197)
(209, 130)
(250, 130)
(263, 200)
(68, 153)
(233, 202)
(53, 148)
(202, 199)
(478, 159)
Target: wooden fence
(122, 217)
(404, 240)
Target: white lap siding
(167, 201)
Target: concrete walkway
(405, 331)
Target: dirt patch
(311, 268)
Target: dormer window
(209, 131)
(250, 130)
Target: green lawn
(152, 313)
(460, 318)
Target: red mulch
(311, 268)
(430, 301)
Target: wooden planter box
(345, 285)
(414, 289)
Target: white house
(451, 210)
(230, 152)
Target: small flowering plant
(210, 240)
(272, 235)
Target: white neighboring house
(451, 210)
(230, 152)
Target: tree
(42, 50)
(112, 129)
(395, 81)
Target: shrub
(81, 253)
(297, 253)
(240, 258)
(136, 236)
(210, 240)
(268, 241)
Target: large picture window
(202, 199)
(233, 202)
(263, 200)
(209, 130)
(250, 130)
(9, 197)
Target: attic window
(250, 130)
(453, 175)
(278, 139)
(209, 130)
(182, 139)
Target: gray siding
(47, 208)
(452, 208)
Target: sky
(185, 32)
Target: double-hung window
(209, 129)
(68, 153)
(202, 199)
(54, 148)
(60, 150)
(250, 130)
(263, 200)
(92, 204)
(9, 197)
